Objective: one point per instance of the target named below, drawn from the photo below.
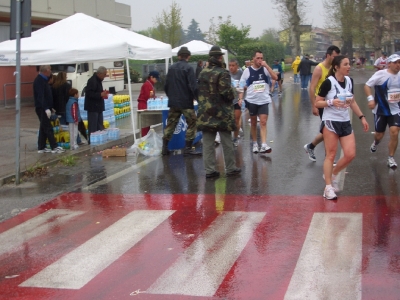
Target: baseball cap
(155, 74)
(393, 58)
(384, 53)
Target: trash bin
(178, 138)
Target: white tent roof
(196, 48)
(81, 38)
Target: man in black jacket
(304, 69)
(181, 89)
(94, 100)
(43, 105)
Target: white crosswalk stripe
(200, 270)
(329, 266)
(13, 238)
(81, 265)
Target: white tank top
(337, 113)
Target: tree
(361, 21)
(168, 26)
(193, 32)
(228, 35)
(149, 32)
(292, 14)
(269, 35)
(381, 13)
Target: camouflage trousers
(174, 116)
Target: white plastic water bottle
(150, 104)
(166, 103)
(157, 106)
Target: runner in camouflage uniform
(216, 113)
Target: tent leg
(130, 97)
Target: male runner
(258, 79)
(381, 62)
(236, 74)
(318, 77)
(385, 105)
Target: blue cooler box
(178, 138)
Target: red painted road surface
(262, 270)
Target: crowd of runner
(222, 96)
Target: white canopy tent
(199, 48)
(81, 38)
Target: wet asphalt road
(285, 185)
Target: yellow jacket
(295, 64)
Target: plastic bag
(149, 145)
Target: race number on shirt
(394, 95)
(259, 86)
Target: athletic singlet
(324, 75)
(333, 113)
(258, 84)
(385, 85)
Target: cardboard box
(115, 152)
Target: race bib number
(394, 96)
(259, 86)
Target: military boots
(190, 150)
(165, 150)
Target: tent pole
(166, 65)
(130, 98)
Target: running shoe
(280, 94)
(255, 148)
(235, 142)
(329, 193)
(58, 150)
(265, 149)
(373, 147)
(217, 139)
(335, 183)
(45, 150)
(310, 152)
(391, 163)
(258, 119)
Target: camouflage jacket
(216, 112)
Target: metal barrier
(5, 92)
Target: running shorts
(340, 128)
(255, 109)
(382, 121)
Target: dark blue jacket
(181, 85)
(94, 102)
(42, 93)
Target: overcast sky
(259, 14)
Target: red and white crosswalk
(81, 246)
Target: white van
(78, 74)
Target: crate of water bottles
(159, 103)
(81, 104)
(113, 134)
(122, 107)
(98, 137)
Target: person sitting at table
(147, 91)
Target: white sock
(264, 145)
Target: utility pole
(20, 26)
